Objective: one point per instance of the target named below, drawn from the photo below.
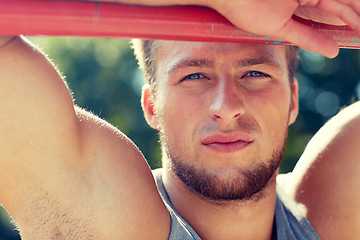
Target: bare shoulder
(327, 177)
(129, 204)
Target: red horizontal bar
(92, 19)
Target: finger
(350, 14)
(310, 3)
(308, 38)
(354, 4)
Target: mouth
(228, 142)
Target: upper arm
(64, 169)
(38, 122)
(327, 177)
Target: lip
(227, 142)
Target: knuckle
(311, 3)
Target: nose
(227, 102)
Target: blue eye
(193, 76)
(256, 74)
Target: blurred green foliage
(104, 79)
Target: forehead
(171, 53)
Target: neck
(251, 219)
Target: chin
(226, 183)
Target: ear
(147, 105)
(294, 107)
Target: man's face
(223, 111)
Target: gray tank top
(290, 223)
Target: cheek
(272, 111)
(179, 114)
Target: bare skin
(66, 173)
(327, 174)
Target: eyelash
(190, 77)
(257, 74)
(200, 75)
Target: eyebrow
(203, 62)
(209, 63)
(248, 62)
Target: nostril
(225, 115)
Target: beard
(242, 184)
